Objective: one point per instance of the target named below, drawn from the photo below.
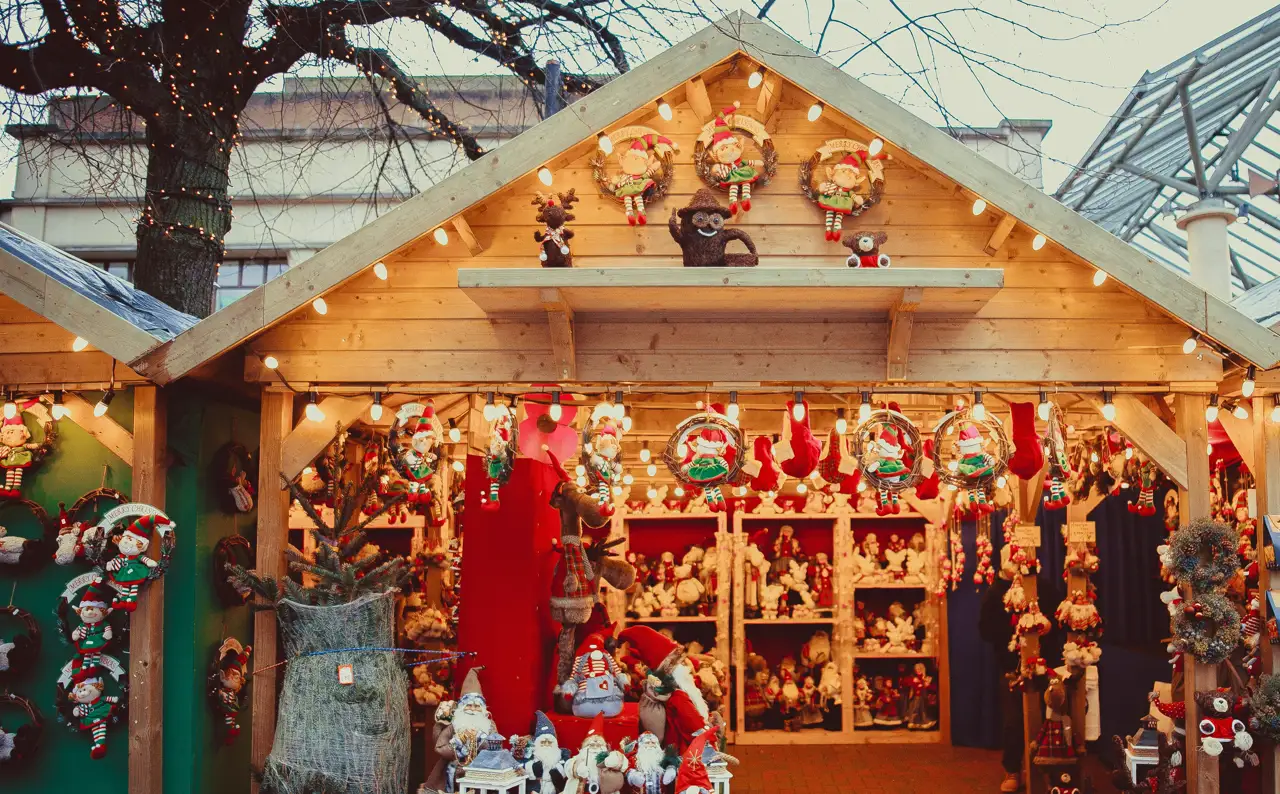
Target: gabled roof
(108, 312)
(1262, 303)
(737, 33)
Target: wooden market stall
(993, 289)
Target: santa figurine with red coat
(672, 706)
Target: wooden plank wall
(27, 344)
(1047, 322)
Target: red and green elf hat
(143, 527)
(94, 597)
(722, 131)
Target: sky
(1069, 61)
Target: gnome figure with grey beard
(546, 760)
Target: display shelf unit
(844, 529)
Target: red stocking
(800, 450)
(763, 469)
(1029, 457)
(928, 487)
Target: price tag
(1082, 532)
(346, 674)
(1027, 536)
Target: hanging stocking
(1028, 457)
(836, 465)
(928, 487)
(765, 474)
(798, 454)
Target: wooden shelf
(904, 655)
(896, 736)
(899, 516)
(888, 586)
(737, 291)
(669, 516)
(785, 621)
(676, 619)
(808, 736)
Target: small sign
(1271, 525)
(1027, 536)
(346, 674)
(1082, 532)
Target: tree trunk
(185, 217)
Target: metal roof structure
(1201, 126)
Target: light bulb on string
(627, 479)
(1038, 242)
(815, 111)
(60, 410)
(626, 423)
(1250, 382)
(801, 488)
(79, 344)
(1275, 407)
(375, 410)
(797, 407)
(270, 361)
(664, 110)
(741, 490)
(619, 407)
(1001, 481)
(544, 176)
(617, 490)
(861, 486)
(1043, 409)
(645, 453)
(312, 410)
(1108, 407)
(1240, 411)
(864, 408)
(979, 206)
(1211, 410)
(10, 407)
(1099, 278)
(842, 424)
(875, 147)
(555, 411)
(458, 466)
(1208, 449)
(679, 491)
(320, 306)
(442, 236)
(756, 78)
(455, 435)
(652, 470)
(100, 409)
(731, 410)
(1093, 457)
(979, 410)
(1071, 429)
(1128, 453)
(1191, 344)
(490, 409)
(652, 493)
(605, 143)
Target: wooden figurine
(553, 213)
(864, 249)
(698, 228)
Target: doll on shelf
(895, 556)
(922, 699)
(863, 697)
(886, 710)
(822, 583)
(917, 557)
(871, 551)
(811, 703)
(786, 547)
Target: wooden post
(273, 537)
(146, 630)
(1266, 474)
(1032, 701)
(1202, 771)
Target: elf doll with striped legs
(131, 566)
(92, 709)
(229, 683)
(93, 634)
(731, 171)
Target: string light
(380, 270)
(270, 362)
(1038, 242)
(652, 470)
(10, 407)
(1275, 407)
(458, 466)
(1099, 277)
(1042, 410)
(645, 454)
(627, 479)
(664, 110)
(1001, 481)
(60, 410)
(979, 410)
(1211, 411)
(875, 147)
(605, 143)
(842, 424)
(979, 206)
(580, 470)
(79, 344)
(312, 410)
(100, 409)
(455, 435)
(679, 491)
(619, 408)
(1240, 411)
(442, 236)
(490, 409)
(617, 490)
(1108, 408)
(797, 407)
(801, 488)
(815, 111)
(864, 409)
(375, 410)
(1208, 449)
(544, 176)
(652, 493)
(555, 412)
(1250, 382)
(1128, 453)
(731, 411)
(320, 306)
(756, 78)
(741, 490)
(1191, 344)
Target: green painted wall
(73, 467)
(195, 622)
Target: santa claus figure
(822, 582)
(546, 760)
(596, 769)
(460, 731)
(651, 769)
(597, 683)
(665, 574)
(672, 706)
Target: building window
(236, 277)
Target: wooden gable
(37, 353)
(1045, 322)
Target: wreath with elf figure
(642, 173)
(971, 454)
(83, 703)
(706, 451)
(18, 650)
(887, 447)
(76, 533)
(724, 159)
(415, 444)
(844, 178)
(21, 450)
(602, 454)
(119, 546)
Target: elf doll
(706, 461)
(500, 458)
(606, 466)
(93, 710)
(639, 165)
(131, 566)
(885, 461)
(974, 463)
(1146, 504)
(15, 455)
(838, 194)
(731, 171)
(232, 657)
(93, 634)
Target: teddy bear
(864, 249)
(770, 595)
(1219, 729)
(666, 596)
(645, 604)
(688, 590)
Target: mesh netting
(333, 738)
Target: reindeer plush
(553, 213)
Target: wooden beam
(467, 236)
(309, 439)
(902, 318)
(770, 94)
(273, 537)
(1151, 436)
(1158, 406)
(103, 428)
(560, 321)
(1240, 431)
(695, 91)
(1266, 475)
(1000, 234)
(146, 626)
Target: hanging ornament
(18, 649)
(500, 455)
(984, 572)
(132, 528)
(90, 599)
(766, 476)
(19, 743)
(721, 157)
(26, 554)
(601, 455)
(229, 553)
(235, 469)
(887, 448)
(705, 452)
(227, 681)
(837, 464)
(1056, 496)
(970, 454)
(83, 703)
(844, 179)
(645, 168)
(20, 450)
(541, 432)
(416, 447)
(77, 527)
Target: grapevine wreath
(18, 651)
(1204, 555)
(21, 744)
(1208, 628)
(1264, 708)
